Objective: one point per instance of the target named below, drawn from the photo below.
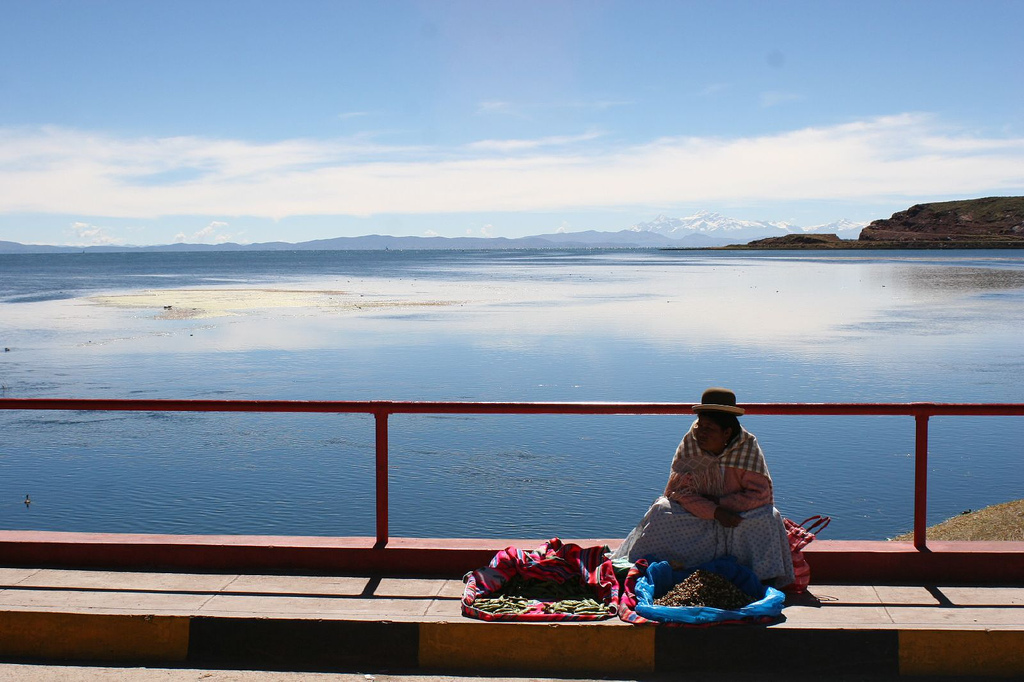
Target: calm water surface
(494, 326)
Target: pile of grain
(704, 588)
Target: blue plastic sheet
(660, 578)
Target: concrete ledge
(993, 653)
(247, 553)
(85, 636)
(290, 644)
(577, 648)
(823, 652)
(548, 649)
(978, 563)
(975, 563)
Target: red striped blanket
(552, 561)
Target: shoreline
(1003, 522)
(853, 245)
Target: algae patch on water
(191, 304)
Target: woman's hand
(727, 518)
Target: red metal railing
(382, 409)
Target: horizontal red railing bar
(446, 407)
(381, 409)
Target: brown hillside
(1000, 522)
(996, 219)
(797, 241)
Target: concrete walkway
(364, 623)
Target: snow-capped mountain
(737, 231)
(847, 229)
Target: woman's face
(710, 436)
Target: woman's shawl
(697, 472)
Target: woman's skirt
(670, 533)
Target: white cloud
(519, 145)
(92, 235)
(713, 89)
(485, 231)
(774, 99)
(522, 109)
(213, 232)
(598, 104)
(55, 170)
(494, 107)
(431, 233)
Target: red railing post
(381, 476)
(921, 482)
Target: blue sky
(129, 122)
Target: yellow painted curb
(537, 646)
(952, 652)
(88, 636)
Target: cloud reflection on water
(807, 306)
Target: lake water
(630, 325)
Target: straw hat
(718, 400)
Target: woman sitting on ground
(718, 500)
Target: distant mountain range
(703, 229)
(733, 231)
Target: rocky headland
(988, 223)
(993, 219)
(799, 241)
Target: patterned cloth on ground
(552, 561)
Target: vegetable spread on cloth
(554, 582)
